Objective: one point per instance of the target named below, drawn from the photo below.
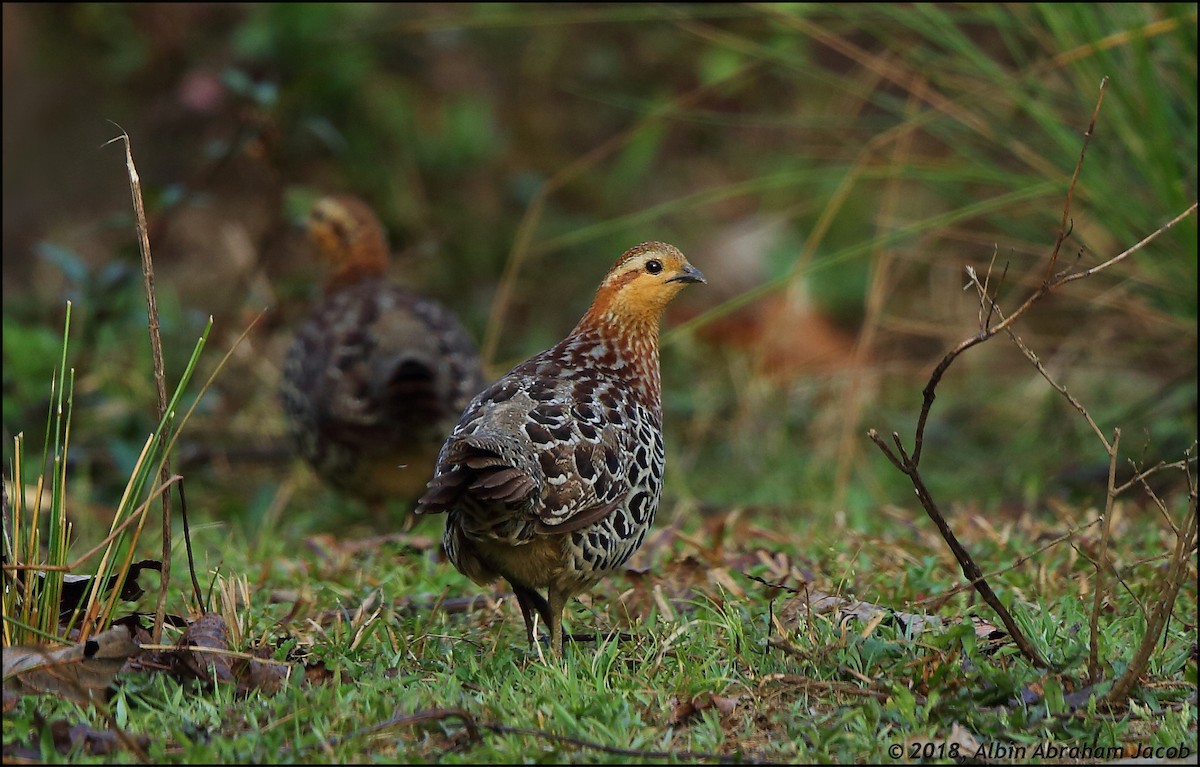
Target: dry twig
(1155, 621)
(942, 597)
(1102, 565)
(1179, 570)
(160, 380)
(909, 464)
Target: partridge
(552, 476)
(377, 375)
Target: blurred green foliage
(822, 153)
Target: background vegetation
(832, 169)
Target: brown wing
(530, 450)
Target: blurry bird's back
(378, 374)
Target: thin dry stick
(687, 756)
(1020, 561)
(200, 650)
(1102, 565)
(1063, 280)
(909, 465)
(1182, 560)
(1140, 478)
(1115, 572)
(986, 298)
(160, 378)
(1063, 229)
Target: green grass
(888, 147)
(841, 697)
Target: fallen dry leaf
(812, 601)
(75, 672)
(94, 742)
(204, 652)
(208, 632)
(268, 678)
(684, 711)
(318, 673)
(67, 738)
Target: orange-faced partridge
(378, 374)
(552, 476)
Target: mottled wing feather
(378, 354)
(580, 519)
(561, 466)
(375, 369)
(584, 476)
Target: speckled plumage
(378, 374)
(552, 476)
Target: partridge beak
(689, 274)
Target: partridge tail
(480, 471)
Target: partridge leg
(530, 600)
(558, 601)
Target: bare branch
(1063, 229)
(973, 573)
(1178, 571)
(965, 561)
(1141, 475)
(1020, 561)
(1115, 572)
(1037, 363)
(1103, 565)
(936, 377)
(1128, 252)
(887, 451)
(1140, 478)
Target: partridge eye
(654, 266)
